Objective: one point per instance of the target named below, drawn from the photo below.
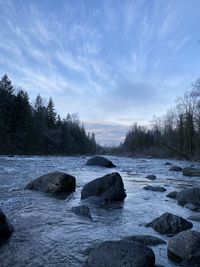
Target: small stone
(154, 188)
(151, 177)
(172, 194)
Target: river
(47, 233)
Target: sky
(114, 62)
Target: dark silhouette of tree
(38, 129)
(176, 133)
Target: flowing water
(47, 233)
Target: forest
(37, 129)
(177, 133)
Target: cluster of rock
(184, 243)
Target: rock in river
(185, 246)
(100, 161)
(83, 211)
(6, 228)
(121, 253)
(151, 177)
(167, 163)
(172, 194)
(175, 168)
(110, 188)
(195, 217)
(53, 182)
(169, 224)
(154, 188)
(189, 195)
(191, 171)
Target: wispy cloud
(113, 63)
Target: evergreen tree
(37, 129)
(6, 113)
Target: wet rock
(169, 224)
(195, 217)
(53, 182)
(110, 188)
(151, 177)
(191, 206)
(121, 253)
(191, 171)
(100, 161)
(175, 168)
(89, 249)
(83, 211)
(172, 194)
(147, 240)
(154, 188)
(185, 246)
(6, 228)
(189, 195)
(167, 163)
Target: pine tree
(6, 112)
(51, 114)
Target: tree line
(27, 128)
(177, 133)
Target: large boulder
(185, 246)
(189, 195)
(100, 161)
(6, 228)
(121, 253)
(110, 188)
(175, 168)
(154, 188)
(191, 171)
(169, 224)
(53, 182)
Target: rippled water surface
(47, 233)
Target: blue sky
(112, 62)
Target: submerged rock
(147, 240)
(6, 228)
(195, 217)
(83, 211)
(100, 161)
(53, 182)
(110, 188)
(172, 194)
(121, 253)
(191, 206)
(185, 246)
(154, 188)
(169, 224)
(151, 177)
(191, 171)
(189, 195)
(175, 168)
(167, 163)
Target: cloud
(109, 134)
(114, 64)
